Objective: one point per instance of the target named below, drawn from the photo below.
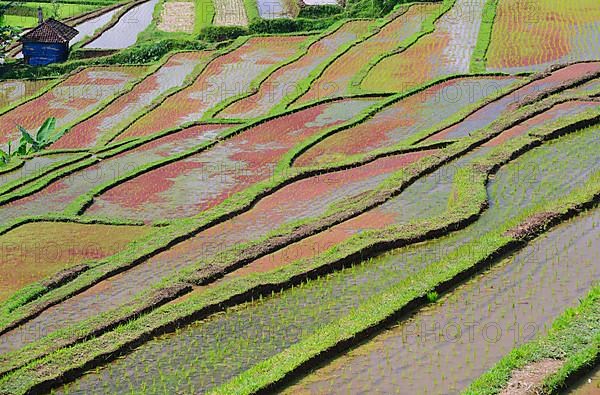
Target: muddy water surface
(312, 197)
(34, 166)
(587, 385)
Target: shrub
(222, 33)
(320, 11)
(284, 25)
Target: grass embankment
(484, 37)
(140, 54)
(166, 317)
(251, 10)
(574, 340)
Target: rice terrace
(300, 197)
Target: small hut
(48, 42)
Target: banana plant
(6, 155)
(44, 137)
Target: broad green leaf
(4, 157)
(45, 131)
(25, 135)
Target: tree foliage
(31, 143)
(8, 34)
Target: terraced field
(445, 51)
(106, 123)
(285, 85)
(519, 41)
(13, 91)
(230, 13)
(402, 204)
(338, 78)
(125, 31)
(224, 77)
(72, 98)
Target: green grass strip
(14, 164)
(478, 60)
(205, 14)
(251, 10)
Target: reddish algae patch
(57, 196)
(336, 79)
(403, 119)
(490, 112)
(376, 218)
(553, 114)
